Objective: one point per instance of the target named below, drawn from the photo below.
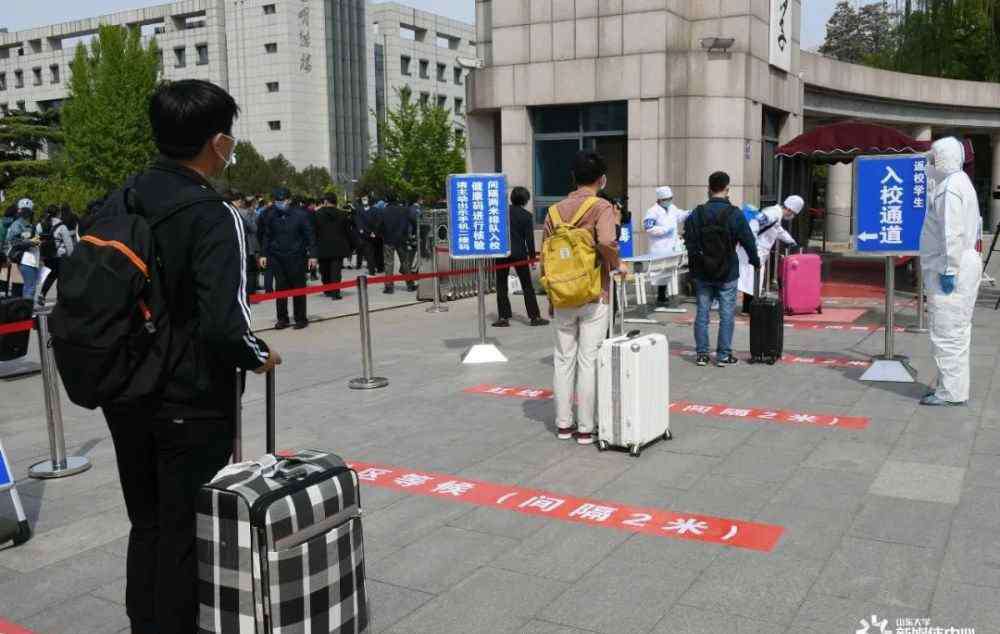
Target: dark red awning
(845, 140)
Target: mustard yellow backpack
(572, 275)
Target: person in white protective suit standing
(768, 230)
(662, 223)
(952, 270)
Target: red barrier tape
(17, 326)
(258, 298)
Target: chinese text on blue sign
(6, 477)
(477, 207)
(890, 203)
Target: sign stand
(18, 530)
(888, 368)
(921, 327)
(482, 352)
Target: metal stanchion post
(270, 405)
(60, 465)
(481, 299)
(367, 381)
(482, 352)
(238, 419)
(890, 307)
(921, 326)
(436, 307)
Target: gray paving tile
(851, 456)
(667, 553)
(83, 615)
(388, 603)
(810, 533)
(617, 596)
(948, 422)
(583, 474)
(983, 470)
(113, 592)
(627, 490)
(561, 551)
(724, 497)
(45, 514)
(824, 613)
(966, 606)
(917, 481)
(24, 595)
(669, 470)
(544, 627)
(706, 440)
(684, 619)
(822, 488)
(440, 560)
(972, 556)
(500, 522)
(802, 439)
(913, 522)
(66, 541)
(893, 574)
(987, 442)
(760, 463)
(407, 521)
(763, 586)
(932, 449)
(979, 508)
(491, 601)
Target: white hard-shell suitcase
(633, 391)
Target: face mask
(665, 204)
(232, 153)
(281, 204)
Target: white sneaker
(584, 439)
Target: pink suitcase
(800, 284)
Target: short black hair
(233, 196)
(186, 114)
(718, 182)
(588, 167)
(520, 196)
(331, 197)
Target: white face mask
(665, 204)
(232, 154)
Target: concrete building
(670, 91)
(297, 69)
(420, 51)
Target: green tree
(420, 149)
(312, 181)
(281, 171)
(105, 119)
(23, 135)
(54, 190)
(858, 35)
(251, 173)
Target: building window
(20, 106)
(412, 33)
(425, 67)
(274, 125)
(37, 72)
(54, 70)
(442, 72)
(3, 81)
(271, 47)
(458, 76)
(269, 9)
(4, 108)
(458, 105)
(20, 52)
(179, 57)
(442, 101)
(272, 86)
(202, 50)
(770, 133)
(18, 79)
(404, 65)
(159, 58)
(425, 98)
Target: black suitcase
(14, 345)
(767, 327)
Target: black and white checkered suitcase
(280, 548)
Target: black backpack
(111, 332)
(47, 242)
(716, 246)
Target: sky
(24, 14)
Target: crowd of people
(35, 248)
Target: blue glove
(947, 283)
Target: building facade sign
(781, 34)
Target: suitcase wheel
(771, 361)
(819, 311)
(603, 445)
(635, 451)
(667, 435)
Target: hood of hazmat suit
(948, 247)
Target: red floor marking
(12, 628)
(743, 321)
(831, 362)
(698, 409)
(703, 528)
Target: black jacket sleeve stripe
(251, 341)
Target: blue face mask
(665, 204)
(281, 204)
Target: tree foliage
(420, 149)
(23, 135)
(857, 35)
(253, 174)
(54, 190)
(105, 119)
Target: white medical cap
(795, 203)
(664, 193)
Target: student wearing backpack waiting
(711, 234)
(579, 251)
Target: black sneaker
(299, 325)
(727, 360)
(281, 325)
(501, 323)
(702, 360)
(389, 290)
(538, 321)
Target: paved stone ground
(897, 519)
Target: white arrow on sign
(865, 237)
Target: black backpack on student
(716, 245)
(111, 332)
(47, 242)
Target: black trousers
(54, 265)
(162, 464)
(289, 273)
(330, 270)
(252, 279)
(503, 298)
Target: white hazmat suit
(663, 226)
(768, 230)
(948, 248)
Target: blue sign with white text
(477, 209)
(890, 202)
(6, 478)
(625, 244)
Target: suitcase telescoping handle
(270, 397)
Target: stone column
(839, 202)
(995, 184)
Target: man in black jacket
(335, 240)
(169, 447)
(397, 228)
(287, 249)
(522, 247)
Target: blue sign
(890, 201)
(625, 245)
(6, 477)
(477, 209)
